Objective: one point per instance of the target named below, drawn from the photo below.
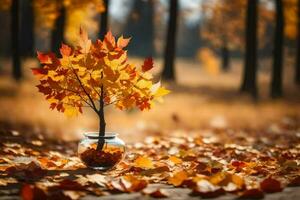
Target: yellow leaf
(71, 111)
(143, 162)
(161, 92)
(178, 178)
(175, 160)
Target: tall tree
(15, 9)
(27, 28)
(140, 26)
(57, 35)
(170, 49)
(225, 56)
(249, 75)
(104, 20)
(297, 70)
(276, 85)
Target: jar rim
(95, 135)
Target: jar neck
(95, 135)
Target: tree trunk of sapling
(102, 124)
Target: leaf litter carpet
(205, 163)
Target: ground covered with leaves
(206, 163)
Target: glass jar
(105, 158)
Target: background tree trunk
(104, 20)
(57, 36)
(276, 85)
(250, 68)
(27, 28)
(170, 49)
(297, 70)
(225, 57)
(17, 71)
(140, 27)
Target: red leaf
(43, 89)
(270, 185)
(148, 64)
(65, 50)
(30, 192)
(38, 71)
(45, 58)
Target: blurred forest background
(228, 63)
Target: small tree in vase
(97, 75)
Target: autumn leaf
(122, 42)
(128, 183)
(148, 64)
(65, 50)
(295, 181)
(251, 194)
(270, 185)
(175, 160)
(45, 58)
(177, 178)
(143, 162)
(155, 192)
(84, 42)
(206, 189)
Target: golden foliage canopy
(84, 74)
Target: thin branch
(94, 87)
(83, 99)
(87, 94)
(82, 86)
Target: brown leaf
(270, 185)
(128, 184)
(252, 194)
(156, 170)
(294, 182)
(25, 171)
(68, 185)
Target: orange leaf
(175, 160)
(143, 162)
(65, 50)
(45, 58)
(109, 41)
(122, 42)
(178, 178)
